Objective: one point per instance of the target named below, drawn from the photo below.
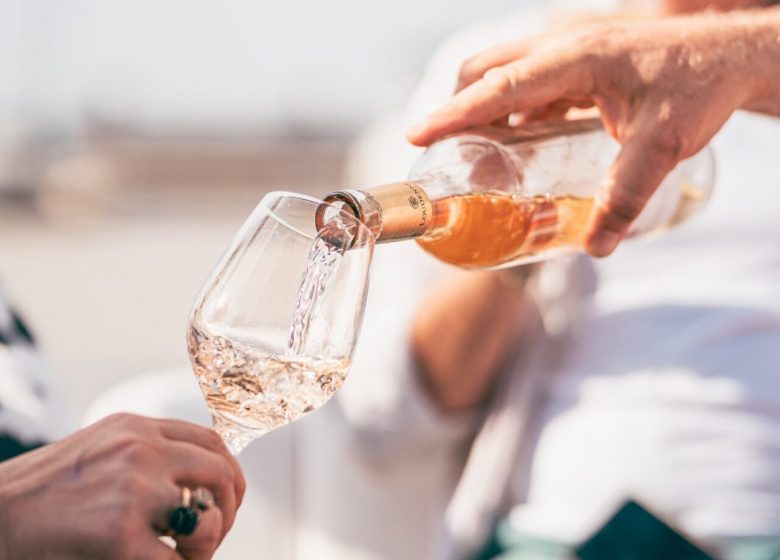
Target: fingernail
(603, 243)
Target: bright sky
(233, 63)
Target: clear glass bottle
(497, 197)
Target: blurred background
(136, 136)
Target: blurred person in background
(514, 412)
(664, 386)
(110, 490)
(653, 375)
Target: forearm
(387, 411)
(465, 333)
(762, 32)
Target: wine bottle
(498, 197)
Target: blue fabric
(632, 533)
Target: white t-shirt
(670, 392)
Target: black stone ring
(183, 521)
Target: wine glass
(272, 332)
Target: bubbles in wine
(251, 390)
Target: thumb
(640, 167)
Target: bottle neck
(392, 212)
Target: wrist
(12, 531)
(6, 529)
(29, 518)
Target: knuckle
(601, 38)
(122, 418)
(668, 144)
(214, 441)
(133, 450)
(113, 421)
(501, 80)
(228, 472)
(594, 38)
(125, 420)
(622, 206)
(241, 482)
(469, 71)
(596, 52)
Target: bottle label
(407, 211)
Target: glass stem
(235, 438)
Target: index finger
(202, 543)
(475, 67)
(193, 466)
(208, 439)
(522, 85)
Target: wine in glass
(272, 332)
